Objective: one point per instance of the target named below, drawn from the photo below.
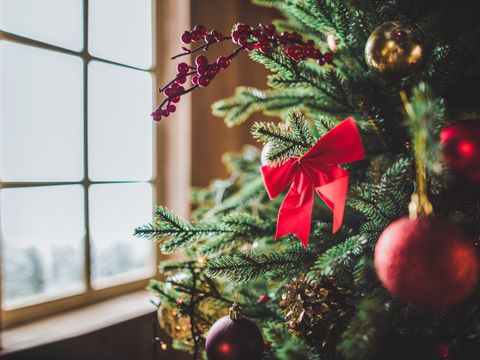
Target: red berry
(202, 69)
(218, 35)
(165, 112)
(179, 302)
(211, 71)
(265, 48)
(250, 47)
(316, 54)
(263, 299)
(203, 81)
(223, 62)
(196, 35)
(328, 57)
(183, 68)
(186, 37)
(194, 79)
(310, 43)
(157, 114)
(171, 108)
(235, 36)
(175, 99)
(181, 79)
(291, 51)
(167, 92)
(281, 40)
(244, 27)
(262, 39)
(215, 67)
(256, 33)
(296, 36)
(210, 38)
(271, 27)
(242, 39)
(200, 29)
(201, 60)
(174, 86)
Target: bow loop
(277, 178)
(315, 172)
(340, 145)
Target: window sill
(77, 322)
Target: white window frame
(171, 146)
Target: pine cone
(317, 311)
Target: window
(77, 154)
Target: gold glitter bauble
(173, 323)
(317, 311)
(395, 50)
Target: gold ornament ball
(395, 50)
(173, 323)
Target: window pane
(115, 211)
(121, 31)
(42, 243)
(57, 22)
(119, 126)
(41, 115)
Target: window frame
(169, 188)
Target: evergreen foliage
(229, 243)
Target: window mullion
(86, 182)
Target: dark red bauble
(427, 262)
(461, 149)
(230, 339)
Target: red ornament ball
(442, 351)
(427, 262)
(230, 339)
(263, 299)
(461, 149)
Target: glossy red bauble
(461, 149)
(427, 262)
(230, 339)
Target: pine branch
(338, 261)
(360, 341)
(299, 127)
(247, 101)
(252, 188)
(284, 143)
(286, 346)
(173, 233)
(248, 265)
(307, 76)
(169, 225)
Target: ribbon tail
(334, 194)
(295, 213)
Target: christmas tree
(368, 178)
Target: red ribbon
(314, 170)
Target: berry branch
(201, 73)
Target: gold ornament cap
(234, 312)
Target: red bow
(314, 170)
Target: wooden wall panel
(210, 137)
